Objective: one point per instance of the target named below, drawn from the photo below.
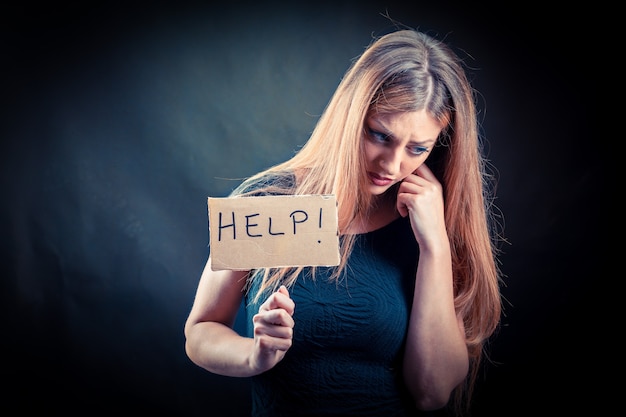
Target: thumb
(283, 290)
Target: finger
(269, 345)
(274, 332)
(425, 172)
(279, 299)
(287, 302)
(283, 290)
(276, 317)
(411, 184)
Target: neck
(382, 212)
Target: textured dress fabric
(346, 356)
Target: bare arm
(436, 358)
(211, 342)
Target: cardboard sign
(273, 231)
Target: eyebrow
(388, 133)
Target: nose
(391, 161)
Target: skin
(436, 358)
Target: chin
(376, 190)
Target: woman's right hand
(273, 330)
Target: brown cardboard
(273, 231)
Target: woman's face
(396, 145)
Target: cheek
(370, 153)
(409, 165)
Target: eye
(376, 136)
(417, 150)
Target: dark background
(118, 121)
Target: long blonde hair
(404, 71)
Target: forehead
(417, 126)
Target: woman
(399, 326)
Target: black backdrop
(119, 120)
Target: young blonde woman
(399, 327)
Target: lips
(378, 180)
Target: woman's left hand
(420, 196)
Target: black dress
(348, 337)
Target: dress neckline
(379, 228)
